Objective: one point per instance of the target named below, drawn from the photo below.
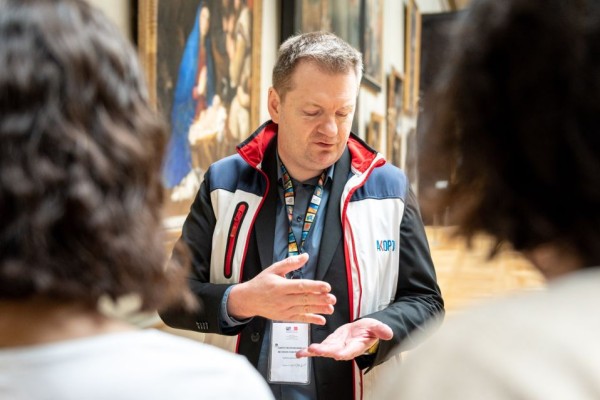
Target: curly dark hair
(519, 108)
(80, 157)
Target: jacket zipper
(234, 230)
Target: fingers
(305, 307)
(375, 328)
(304, 353)
(307, 285)
(382, 331)
(337, 351)
(349, 341)
(297, 313)
(311, 299)
(290, 264)
(310, 318)
(315, 319)
(294, 300)
(283, 267)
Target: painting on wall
(412, 49)
(202, 62)
(372, 47)
(341, 17)
(395, 104)
(374, 130)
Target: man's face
(314, 119)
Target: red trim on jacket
(238, 218)
(361, 155)
(253, 149)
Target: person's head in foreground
(518, 107)
(80, 154)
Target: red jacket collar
(253, 148)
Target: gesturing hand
(270, 295)
(349, 340)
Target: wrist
(236, 306)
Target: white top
(539, 345)
(142, 364)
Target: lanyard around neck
(311, 211)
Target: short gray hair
(325, 49)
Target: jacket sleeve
(418, 297)
(195, 246)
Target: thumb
(289, 264)
(382, 331)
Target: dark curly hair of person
(80, 157)
(518, 107)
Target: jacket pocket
(234, 230)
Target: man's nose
(328, 126)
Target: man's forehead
(320, 67)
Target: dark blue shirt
(303, 193)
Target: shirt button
(299, 218)
(255, 337)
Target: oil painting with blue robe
(178, 161)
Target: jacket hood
(253, 148)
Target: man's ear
(274, 103)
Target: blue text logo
(386, 245)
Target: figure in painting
(211, 103)
(197, 115)
(239, 40)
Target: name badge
(286, 339)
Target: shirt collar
(329, 172)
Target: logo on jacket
(386, 245)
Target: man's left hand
(349, 340)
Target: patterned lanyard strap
(311, 211)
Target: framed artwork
(372, 46)
(202, 61)
(412, 48)
(395, 104)
(374, 130)
(338, 16)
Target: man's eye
(311, 113)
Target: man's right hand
(271, 295)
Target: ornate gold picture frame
(412, 57)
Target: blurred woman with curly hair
(518, 107)
(80, 196)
